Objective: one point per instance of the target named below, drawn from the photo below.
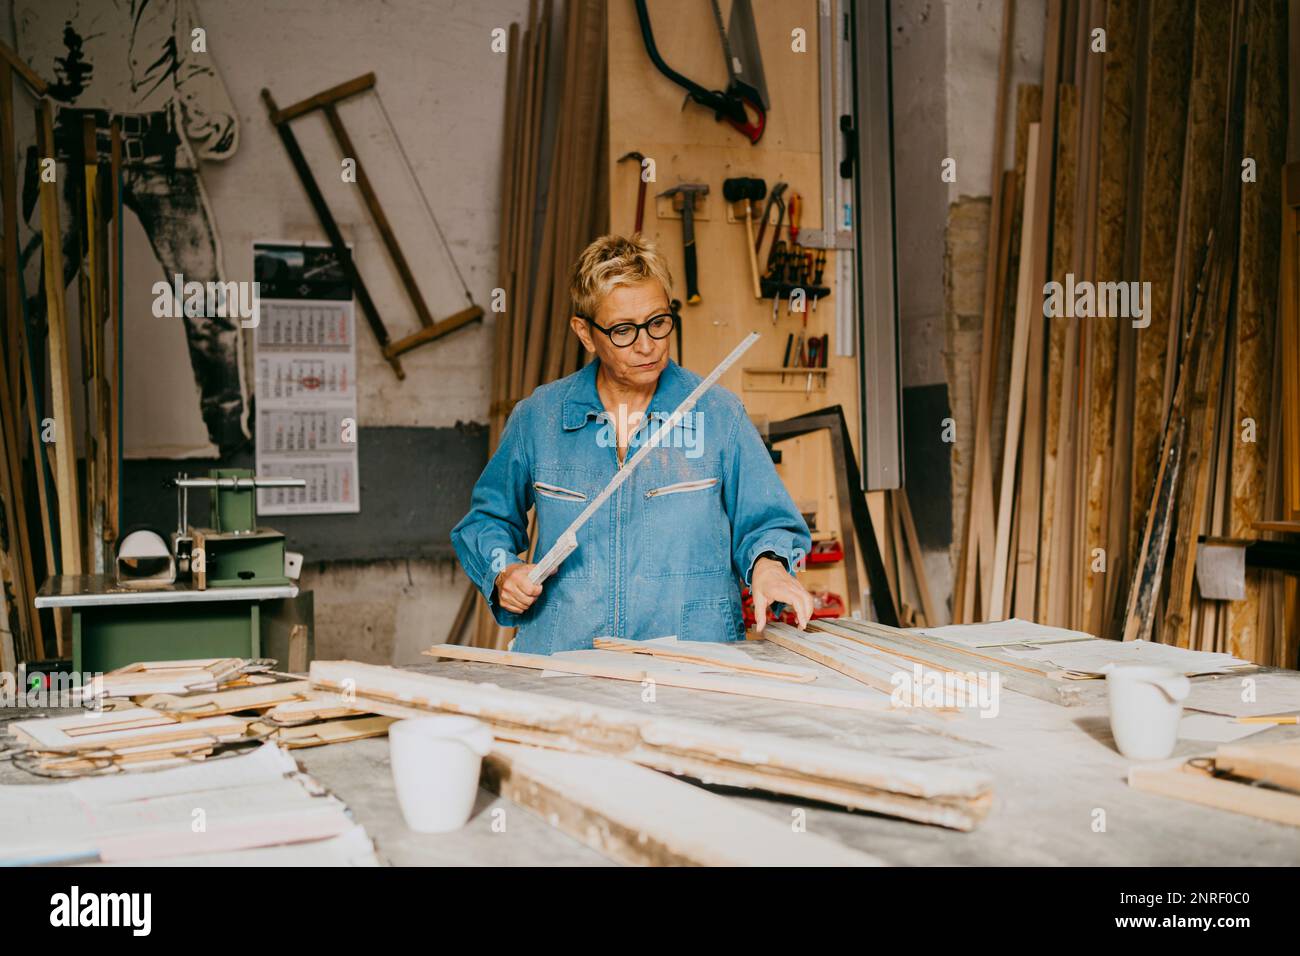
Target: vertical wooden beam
(9, 199)
(980, 495)
(1062, 356)
(65, 445)
(113, 523)
(30, 642)
(1031, 459)
(1027, 302)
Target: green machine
(228, 593)
(232, 551)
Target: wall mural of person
(136, 60)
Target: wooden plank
(30, 643)
(1276, 764)
(325, 732)
(945, 796)
(783, 635)
(1198, 786)
(999, 231)
(616, 669)
(800, 675)
(113, 520)
(1058, 438)
(29, 76)
(928, 607)
(1030, 461)
(9, 201)
(1026, 299)
(946, 656)
(64, 446)
(229, 701)
(639, 817)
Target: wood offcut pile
(924, 792)
(1105, 445)
(165, 713)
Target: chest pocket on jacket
(686, 531)
(560, 492)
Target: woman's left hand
(770, 583)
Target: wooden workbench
(1054, 769)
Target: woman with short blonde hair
(667, 553)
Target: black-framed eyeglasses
(625, 333)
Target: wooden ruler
(567, 543)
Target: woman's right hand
(515, 592)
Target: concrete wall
(444, 89)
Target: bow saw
(744, 103)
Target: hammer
(640, 193)
(688, 192)
(748, 191)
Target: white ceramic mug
(436, 762)
(1146, 703)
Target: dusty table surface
(1060, 790)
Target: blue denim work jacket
(664, 554)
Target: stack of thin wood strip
(925, 792)
(1116, 428)
(621, 665)
(956, 662)
(541, 234)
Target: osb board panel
(1265, 142)
(689, 145)
(1206, 115)
(1067, 159)
(1112, 202)
(1166, 123)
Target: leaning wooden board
(913, 790)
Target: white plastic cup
(1146, 703)
(436, 762)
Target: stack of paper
(210, 813)
(1096, 657)
(999, 633)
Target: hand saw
(744, 104)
